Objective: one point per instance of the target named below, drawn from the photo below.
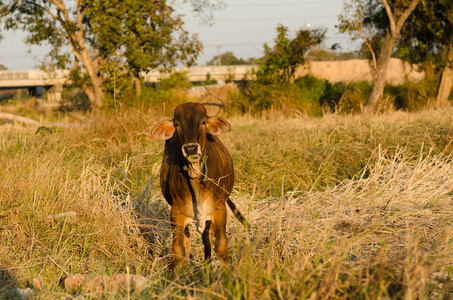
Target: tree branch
(79, 22)
(402, 19)
(366, 40)
(66, 22)
(406, 14)
(391, 18)
(395, 27)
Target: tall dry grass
(340, 207)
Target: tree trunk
(379, 74)
(382, 62)
(138, 86)
(97, 94)
(76, 37)
(446, 81)
(94, 92)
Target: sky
(242, 27)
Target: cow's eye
(176, 124)
(204, 123)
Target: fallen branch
(14, 118)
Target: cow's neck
(194, 171)
(197, 173)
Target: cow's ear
(163, 130)
(218, 125)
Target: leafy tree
(281, 61)
(420, 41)
(228, 59)
(104, 36)
(427, 39)
(366, 19)
(145, 35)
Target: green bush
(74, 99)
(303, 95)
(178, 80)
(307, 94)
(353, 97)
(414, 96)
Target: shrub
(414, 96)
(74, 99)
(353, 97)
(178, 80)
(309, 93)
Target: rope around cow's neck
(203, 165)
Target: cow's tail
(238, 214)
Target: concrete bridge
(36, 81)
(21, 79)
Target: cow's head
(191, 123)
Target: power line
(262, 43)
(22, 56)
(243, 32)
(236, 44)
(276, 19)
(235, 32)
(280, 4)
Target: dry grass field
(340, 207)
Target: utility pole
(218, 55)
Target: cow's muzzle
(192, 152)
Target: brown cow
(196, 179)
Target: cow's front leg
(181, 239)
(187, 241)
(207, 240)
(221, 243)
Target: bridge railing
(41, 78)
(32, 78)
(200, 73)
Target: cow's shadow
(153, 215)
